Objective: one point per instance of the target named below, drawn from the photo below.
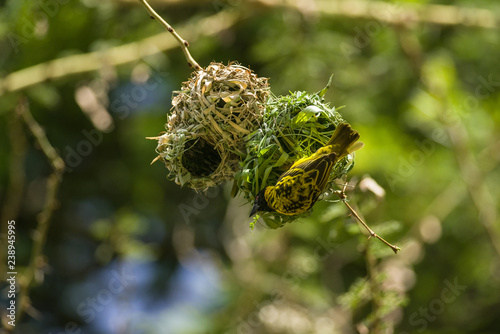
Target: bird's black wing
(318, 167)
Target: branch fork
(342, 196)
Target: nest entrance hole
(200, 158)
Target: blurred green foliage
(129, 252)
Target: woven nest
(210, 116)
(226, 126)
(293, 126)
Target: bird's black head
(260, 203)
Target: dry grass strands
(210, 116)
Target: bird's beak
(254, 209)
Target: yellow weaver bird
(299, 187)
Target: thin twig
(40, 235)
(474, 178)
(469, 168)
(183, 43)
(343, 198)
(39, 134)
(118, 55)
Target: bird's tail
(344, 141)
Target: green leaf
(304, 116)
(266, 174)
(282, 159)
(328, 85)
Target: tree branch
(40, 235)
(474, 178)
(343, 198)
(119, 55)
(399, 13)
(183, 43)
(39, 134)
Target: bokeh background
(111, 246)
